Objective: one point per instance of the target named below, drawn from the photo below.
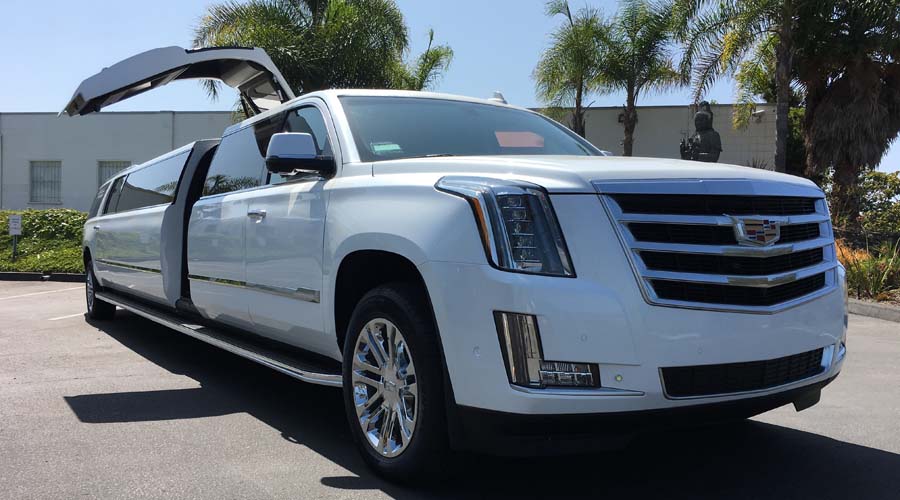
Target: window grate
(45, 182)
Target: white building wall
(660, 129)
(81, 142)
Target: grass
(50, 241)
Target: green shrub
(871, 273)
(50, 241)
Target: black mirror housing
(290, 153)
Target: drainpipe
(1, 161)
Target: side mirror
(290, 153)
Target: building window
(46, 182)
(108, 168)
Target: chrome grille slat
(710, 270)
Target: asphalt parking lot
(128, 409)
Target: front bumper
(601, 317)
(510, 434)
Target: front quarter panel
(402, 214)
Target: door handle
(96, 228)
(257, 214)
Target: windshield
(390, 128)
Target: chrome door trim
(132, 267)
(304, 294)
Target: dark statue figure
(705, 144)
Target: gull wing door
(249, 70)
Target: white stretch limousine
(472, 274)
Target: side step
(276, 359)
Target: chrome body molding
(633, 248)
(304, 294)
(561, 391)
(829, 358)
(124, 265)
(197, 332)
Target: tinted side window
(98, 199)
(307, 120)
(113, 199)
(152, 185)
(240, 160)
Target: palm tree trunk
(629, 120)
(578, 116)
(846, 194)
(784, 54)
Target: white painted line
(42, 293)
(66, 317)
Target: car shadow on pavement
(742, 460)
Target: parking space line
(42, 293)
(66, 317)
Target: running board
(271, 358)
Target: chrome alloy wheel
(384, 387)
(89, 290)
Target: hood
(580, 174)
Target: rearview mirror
(291, 152)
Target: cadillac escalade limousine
(473, 275)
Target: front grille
(708, 293)
(694, 204)
(708, 380)
(700, 250)
(700, 234)
(738, 266)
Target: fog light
(565, 374)
(522, 354)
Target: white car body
(267, 259)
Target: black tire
(96, 308)
(427, 449)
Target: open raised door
(249, 70)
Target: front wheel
(96, 308)
(393, 384)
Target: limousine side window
(152, 185)
(113, 198)
(98, 199)
(240, 160)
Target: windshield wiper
(433, 155)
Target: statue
(705, 144)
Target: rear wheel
(96, 308)
(393, 384)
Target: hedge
(50, 241)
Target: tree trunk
(629, 120)
(784, 55)
(845, 195)
(578, 116)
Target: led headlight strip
(517, 224)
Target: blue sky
(47, 51)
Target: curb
(874, 310)
(62, 277)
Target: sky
(47, 51)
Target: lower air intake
(709, 380)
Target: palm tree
(567, 71)
(320, 44)
(635, 57)
(720, 34)
(848, 60)
(427, 69)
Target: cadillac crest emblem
(756, 232)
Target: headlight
(518, 227)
